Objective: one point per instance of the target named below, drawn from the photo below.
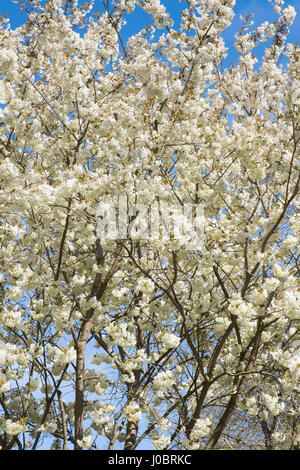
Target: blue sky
(261, 8)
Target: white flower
(243, 310)
(201, 428)
(294, 364)
(3, 356)
(48, 427)
(279, 272)
(163, 380)
(34, 384)
(145, 285)
(161, 442)
(14, 428)
(168, 340)
(22, 358)
(78, 281)
(259, 296)
(271, 284)
(67, 355)
(273, 404)
(288, 14)
(36, 350)
(133, 412)
(120, 335)
(100, 388)
(85, 442)
(251, 406)
(290, 303)
(4, 384)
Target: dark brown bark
(131, 435)
(79, 394)
(268, 435)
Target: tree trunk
(131, 434)
(79, 398)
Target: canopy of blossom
(110, 340)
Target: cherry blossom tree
(142, 341)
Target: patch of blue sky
(137, 20)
